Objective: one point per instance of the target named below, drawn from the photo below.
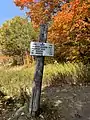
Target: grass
(71, 73)
(13, 79)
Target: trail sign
(34, 105)
(41, 49)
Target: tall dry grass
(12, 80)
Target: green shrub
(12, 80)
(71, 73)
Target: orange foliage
(4, 59)
(22, 2)
(71, 18)
(70, 23)
(40, 12)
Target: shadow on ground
(57, 103)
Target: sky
(8, 10)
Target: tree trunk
(37, 82)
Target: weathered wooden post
(37, 82)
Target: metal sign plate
(41, 49)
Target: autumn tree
(15, 37)
(41, 11)
(40, 14)
(70, 32)
(67, 20)
(70, 23)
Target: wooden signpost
(37, 50)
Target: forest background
(69, 31)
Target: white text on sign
(41, 49)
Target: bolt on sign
(41, 49)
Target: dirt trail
(72, 103)
(58, 103)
